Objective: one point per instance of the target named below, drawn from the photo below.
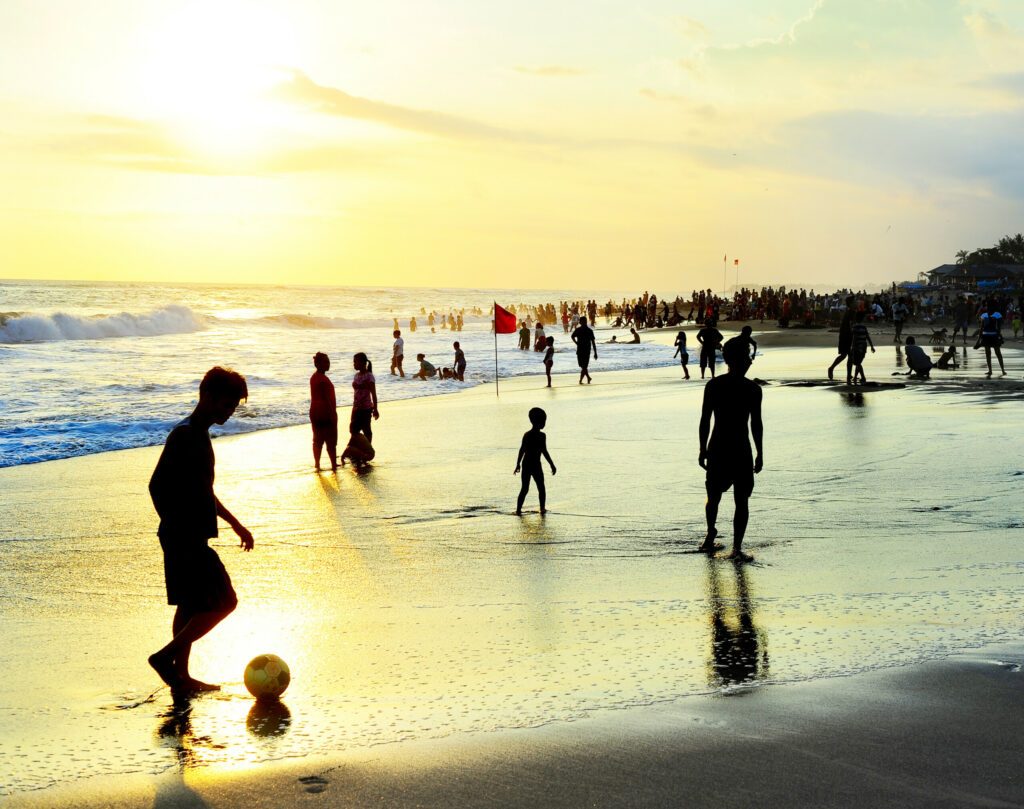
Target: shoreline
(936, 733)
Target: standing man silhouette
(733, 400)
(586, 342)
(182, 492)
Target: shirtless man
(733, 400)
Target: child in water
(549, 357)
(948, 359)
(534, 446)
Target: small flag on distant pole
(504, 323)
(736, 262)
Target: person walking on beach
(586, 342)
(710, 339)
(732, 400)
(845, 336)
(899, 314)
(549, 358)
(532, 449)
(961, 317)
(858, 350)
(364, 398)
(182, 491)
(684, 357)
(397, 354)
(991, 336)
(323, 411)
(460, 362)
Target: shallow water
(411, 604)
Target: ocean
(93, 367)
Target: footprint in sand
(314, 783)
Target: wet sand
(416, 611)
(940, 734)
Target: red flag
(724, 257)
(736, 261)
(504, 321)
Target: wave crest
(24, 327)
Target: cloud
(549, 71)
(302, 90)
(1011, 84)
(688, 104)
(691, 28)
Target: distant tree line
(1008, 250)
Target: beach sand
(414, 608)
(940, 734)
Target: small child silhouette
(534, 446)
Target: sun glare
(208, 73)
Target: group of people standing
(323, 411)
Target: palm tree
(961, 257)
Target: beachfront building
(976, 277)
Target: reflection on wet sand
(739, 652)
(268, 718)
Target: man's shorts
(326, 432)
(737, 475)
(583, 358)
(195, 576)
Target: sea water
(91, 367)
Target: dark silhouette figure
(733, 400)
(364, 398)
(919, 363)
(900, 310)
(684, 357)
(182, 492)
(845, 336)
(710, 339)
(858, 350)
(323, 411)
(459, 368)
(738, 653)
(991, 336)
(397, 353)
(586, 342)
(549, 358)
(533, 448)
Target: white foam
(21, 327)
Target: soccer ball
(267, 676)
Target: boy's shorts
(195, 576)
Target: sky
(555, 144)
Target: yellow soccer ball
(267, 676)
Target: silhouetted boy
(534, 446)
(182, 492)
(733, 400)
(684, 357)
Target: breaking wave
(25, 327)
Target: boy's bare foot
(708, 545)
(164, 667)
(519, 513)
(192, 684)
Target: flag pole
(724, 259)
(495, 321)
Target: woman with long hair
(364, 399)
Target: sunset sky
(594, 145)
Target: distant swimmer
(845, 336)
(991, 336)
(412, 324)
(539, 338)
(459, 368)
(583, 337)
(733, 400)
(524, 336)
(635, 339)
(182, 492)
(710, 339)
(681, 352)
(397, 354)
(395, 326)
(323, 411)
(533, 448)
(549, 358)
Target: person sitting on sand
(948, 360)
(549, 358)
(918, 362)
(182, 492)
(532, 449)
(459, 368)
(991, 336)
(732, 400)
(710, 339)
(323, 411)
(858, 350)
(684, 357)
(427, 369)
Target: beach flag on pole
(504, 323)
